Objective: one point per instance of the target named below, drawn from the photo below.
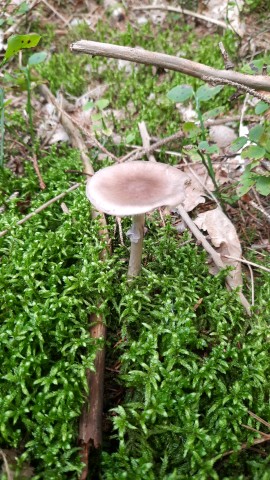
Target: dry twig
(195, 69)
(42, 207)
(184, 11)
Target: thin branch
(36, 168)
(259, 419)
(178, 64)
(22, 18)
(131, 156)
(238, 85)
(261, 209)
(42, 207)
(146, 140)
(6, 465)
(248, 263)
(184, 11)
(252, 284)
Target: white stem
(135, 259)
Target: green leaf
(261, 107)
(102, 103)
(263, 184)
(237, 144)
(18, 42)
(247, 181)
(254, 152)
(23, 8)
(130, 138)
(213, 113)
(96, 116)
(255, 133)
(37, 58)
(204, 145)
(205, 93)
(191, 129)
(180, 93)
(88, 106)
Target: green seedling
(260, 148)
(15, 44)
(99, 124)
(205, 93)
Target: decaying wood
(178, 64)
(90, 427)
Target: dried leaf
(224, 237)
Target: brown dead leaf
(224, 237)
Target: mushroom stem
(136, 237)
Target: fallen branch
(198, 70)
(184, 11)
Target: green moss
(190, 372)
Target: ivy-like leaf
(255, 133)
(204, 145)
(102, 103)
(263, 184)
(181, 93)
(213, 113)
(261, 107)
(191, 129)
(205, 93)
(37, 58)
(237, 144)
(254, 152)
(18, 42)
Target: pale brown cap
(136, 187)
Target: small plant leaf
(37, 58)
(102, 103)
(96, 116)
(130, 138)
(261, 107)
(237, 144)
(18, 42)
(191, 129)
(254, 152)
(213, 113)
(204, 145)
(88, 106)
(205, 93)
(263, 184)
(180, 93)
(255, 133)
(23, 8)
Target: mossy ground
(192, 364)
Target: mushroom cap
(136, 187)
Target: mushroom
(132, 189)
